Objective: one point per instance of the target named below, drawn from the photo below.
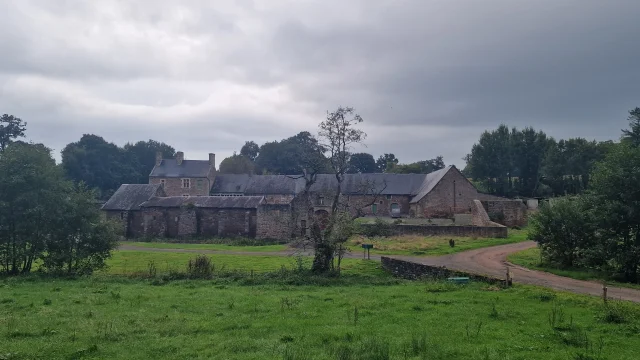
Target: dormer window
(186, 183)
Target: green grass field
(430, 245)
(531, 259)
(119, 318)
(216, 247)
(137, 262)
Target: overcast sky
(427, 76)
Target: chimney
(158, 158)
(212, 160)
(179, 158)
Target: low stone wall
(496, 231)
(513, 212)
(410, 270)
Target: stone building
(188, 198)
(182, 177)
(124, 206)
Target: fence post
(604, 292)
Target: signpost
(366, 248)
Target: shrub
(378, 228)
(200, 268)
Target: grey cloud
(433, 72)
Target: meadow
(115, 317)
(430, 245)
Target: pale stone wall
(454, 194)
(173, 186)
(275, 222)
(513, 212)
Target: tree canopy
(362, 163)
(237, 164)
(11, 128)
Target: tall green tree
(11, 128)
(632, 135)
(362, 163)
(237, 164)
(100, 164)
(291, 155)
(44, 217)
(386, 161)
(31, 190)
(142, 157)
(614, 183)
(250, 150)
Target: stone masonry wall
(513, 212)
(479, 215)
(275, 222)
(383, 204)
(453, 195)
(119, 217)
(454, 231)
(173, 186)
(413, 271)
(186, 222)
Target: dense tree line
(105, 166)
(45, 218)
(599, 229)
(513, 162)
(289, 156)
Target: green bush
(200, 268)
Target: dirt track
(490, 261)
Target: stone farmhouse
(189, 198)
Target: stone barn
(124, 206)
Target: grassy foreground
(138, 262)
(430, 245)
(119, 318)
(531, 259)
(215, 247)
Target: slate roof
(220, 202)
(257, 184)
(414, 185)
(431, 180)
(130, 196)
(386, 184)
(188, 168)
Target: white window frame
(187, 182)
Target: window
(122, 215)
(199, 184)
(185, 195)
(374, 208)
(186, 183)
(162, 182)
(321, 200)
(381, 202)
(388, 197)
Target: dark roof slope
(414, 185)
(431, 180)
(130, 196)
(385, 184)
(188, 168)
(257, 184)
(222, 202)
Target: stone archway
(322, 217)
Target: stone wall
(187, 222)
(413, 271)
(383, 204)
(119, 217)
(275, 222)
(496, 231)
(173, 186)
(480, 216)
(511, 212)
(454, 194)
